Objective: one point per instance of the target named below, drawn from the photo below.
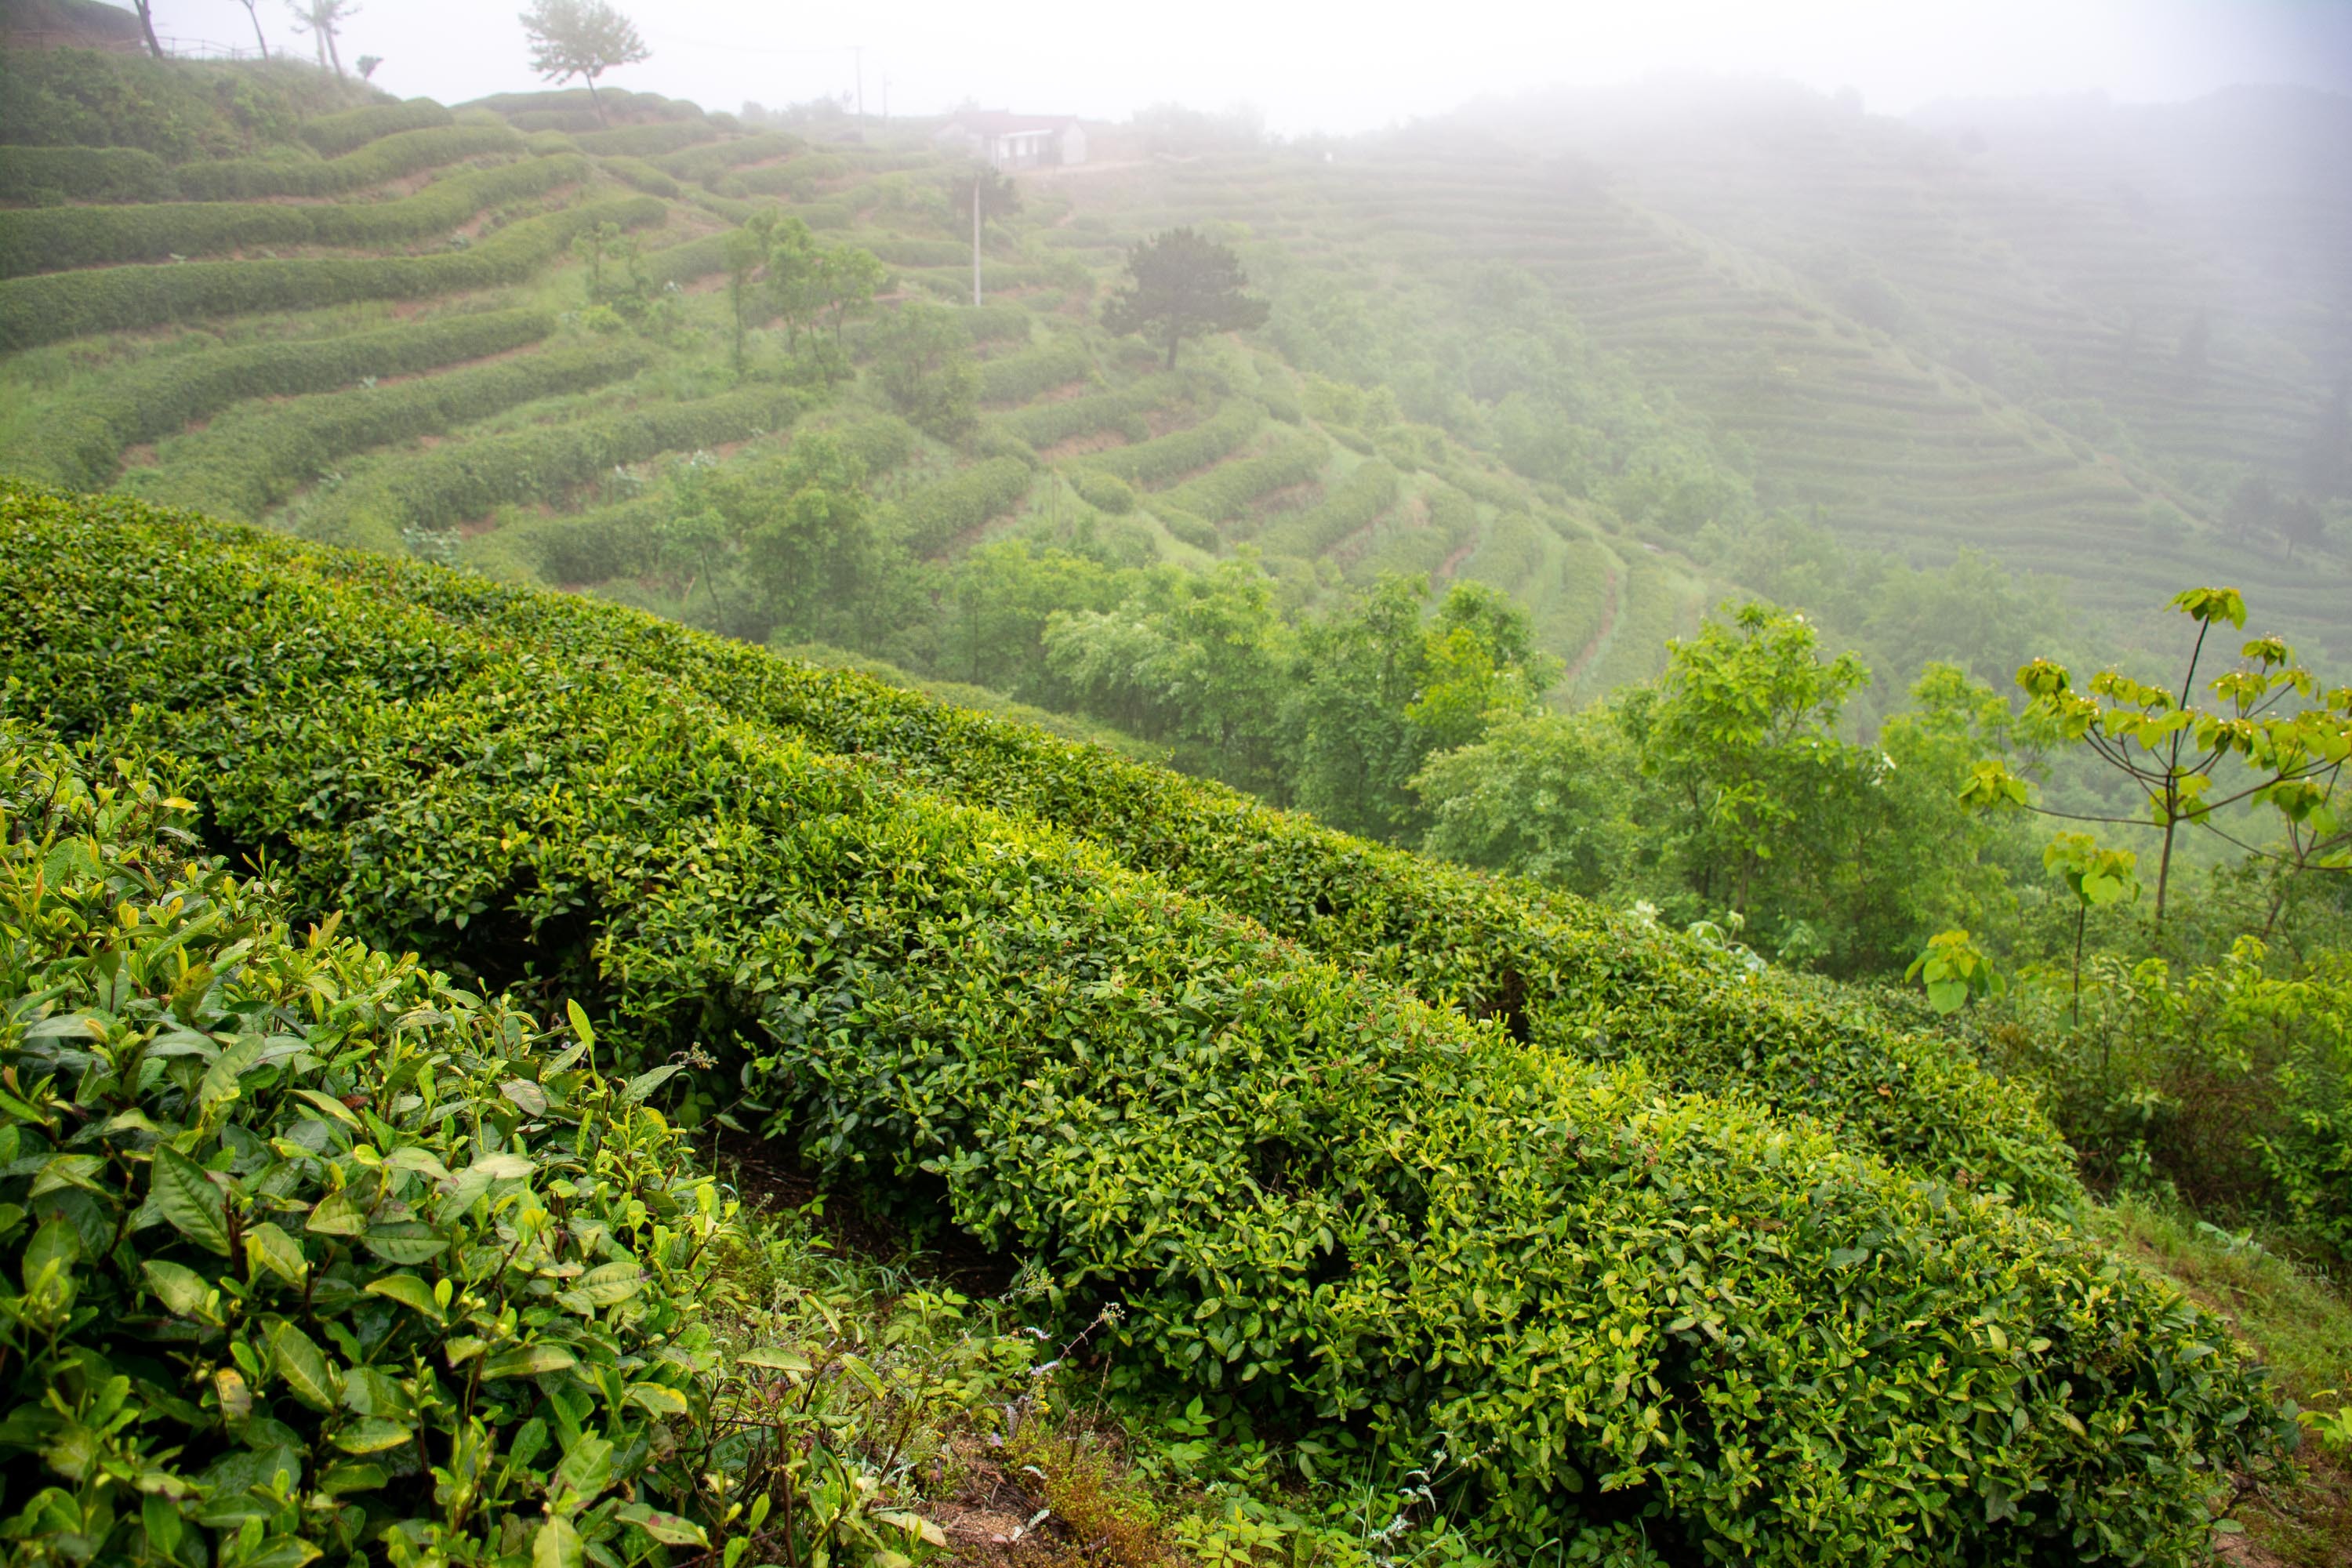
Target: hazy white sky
(1321, 65)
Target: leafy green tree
(582, 39)
(1742, 728)
(1181, 284)
(809, 540)
(1198, 660)
(2288, 739)
(1553, 797)
(923, 361)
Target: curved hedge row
(1226, 492)
(647, 141)
(1563, 974)
(254, 457)
(1647, 1330)
(292, 1279)
(393, 158)
(84, 174)
(50, 238)
(700, 165)
(462, 480)
(1360, 498)
(42, 310)
(1163, 460)
(1017, 378)
(1121, 411)
(333, 135)
(638, 174)
(78, 442)
(932, 518)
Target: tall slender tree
(323, 19)
(582, 39)
(146, 9)
(253, 11)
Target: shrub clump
(393, 158)
(332, 135)
(932, 518)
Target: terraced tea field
(393, 347)
(1701, 264)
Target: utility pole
(857, 52)
(976, 237)
(886, 101)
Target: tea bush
(1639, 1317)
(463, 481)
(638, 174)
(113, 299)
(646, 141)
(333, 135)
(1019, 378)
(1121, 411)
(1226, 492)
(44, 175)
(1360, 500)
(319, 1251)
(932, 517)
(395, 157)
(252, 459)
(51, 237)
(700, 165)
(1102, 491)
(1162, 460)
(79, 441)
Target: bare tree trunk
(252, 11)
(147, 25)
(596, 101)
(328, 33)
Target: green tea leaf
(182, 1290)
(338, 1213)
(527, 1361)
(304, 1366)
(188, 1200)
(372, 1434)
(406, 1242)
(410, 1292)
(668, 1529)
(658, 1398)
(266, 1246)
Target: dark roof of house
(998, 123)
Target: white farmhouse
(1016, 140)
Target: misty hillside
(850, 840)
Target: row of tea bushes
(1121, 412)
(932, 518)
(60, 305)
(255, 456)
(1227, 490)
(395, 158)
(1163, 460)
(79, 442)
(334, 135)
(460, 482)
(48, 238)
(1577, 980)
(1360, 498)
(46, 175)
(1629, 1317)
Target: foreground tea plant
(312, 1252)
